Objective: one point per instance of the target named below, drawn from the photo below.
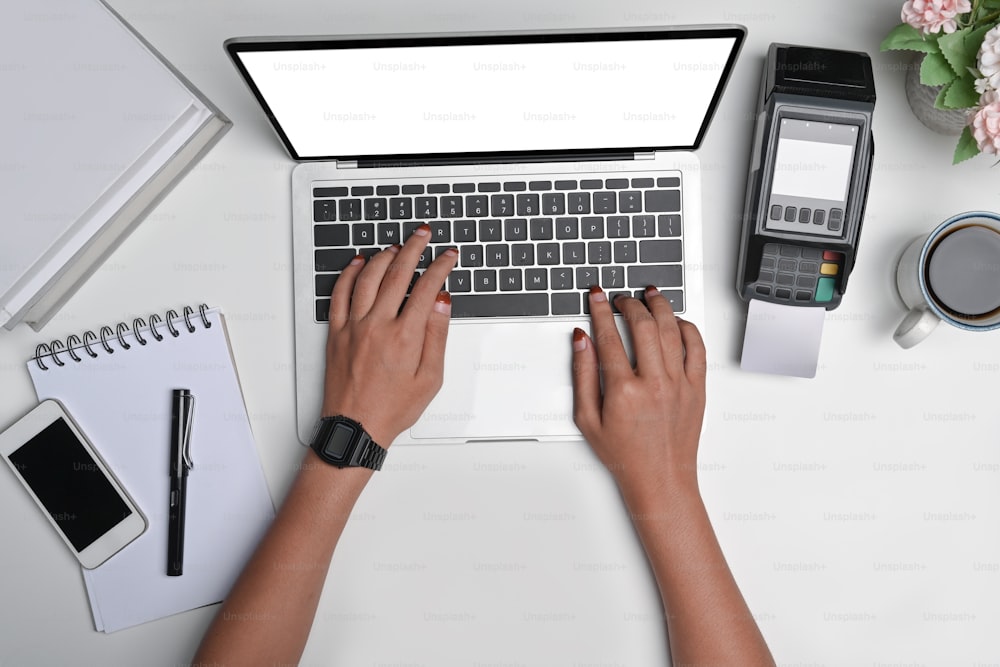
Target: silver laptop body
(507, 373)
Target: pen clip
(187, 416)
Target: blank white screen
(812, 169)
(491, 97)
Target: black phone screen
(70, 484)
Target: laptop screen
(491, 96)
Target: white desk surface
(859, 510)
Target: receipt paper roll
(782, 340)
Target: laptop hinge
(347, 164)
(427, 161)
(650, 155)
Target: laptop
(552, 160)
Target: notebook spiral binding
(74, 343)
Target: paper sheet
(782, 340)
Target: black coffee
(963, 272)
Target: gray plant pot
(921, 99)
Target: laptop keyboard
(526, 247)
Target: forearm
(267, 616)
(708, 620)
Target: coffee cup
(951, 275)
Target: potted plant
(960, 45)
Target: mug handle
(916, 326)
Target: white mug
(926, 308)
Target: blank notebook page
(122, 402)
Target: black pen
(182, 411)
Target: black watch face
(338, 442)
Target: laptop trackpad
(504, 381)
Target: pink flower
(934, 15)
(985, 123)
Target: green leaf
(961, 47)
(905, 37)
(961, 94)
(935, 70)
(966, 148)
(939, 100)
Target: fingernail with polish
(358, 259)
(422, 230)
(579, 340)
(597, 294)
(442, 303)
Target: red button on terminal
(832, 256)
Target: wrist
(659, 493)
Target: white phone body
(72, 485)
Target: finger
(396, 280)
(670, 335)
(435, 339)
(366, 287)
(586, 383)
(645, 335)
(614, 362)
(428, 287)
(695, 360)
(340, 298)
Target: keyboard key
(325, 283)
(362, 191)
(471, 255)
(527, 204)
(498, 254)
(460, 281)
(630, 201)
(655, 252)
(363, 234)
(409, 228)
(565, 185)
(375, 209)
(669, 225)
(484, 281)
(349, 209)
(554, 203)
(522, 254)
(451, 207)
(510, 280)
(604, 202)
(327, 235)
(548, 253)
(536, 279)
(612, 276)
(438, 189)
(591, 184)
(490, 230)
(499, 305)
(574, 253)
(425, 259)
(643, 226)
(642, 182)
(440, 231)
(540, 229)
(561, 278)
(669, 182)
(675, 297)
(593, 227)
(819, 216)
(489, 187)
(790, 213)
(775, 212)
(599, 252)
(618, 226)
(413, 189)
(400, 208)
(665, 201)
(427, 207)
(501, 205)
(537, 186)
(322, 310)
(387, 233)
(515, 229)
(514, 186)
(586, 276)
(387, 190)
(804, 215)
(657, 275)
(463, 187)
(787, 264)
(625, 252)
(325, 211)
(566, 303)
(333, 260)
(567, 228)
(477, 206)
(616, 183)
(783, 293)
(578, 203)
(330, 192)
(465, 231)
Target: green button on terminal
(824, 290)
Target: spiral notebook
(117, 384)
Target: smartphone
(72, 485)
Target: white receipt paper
(782, 340)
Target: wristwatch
(343, 442)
